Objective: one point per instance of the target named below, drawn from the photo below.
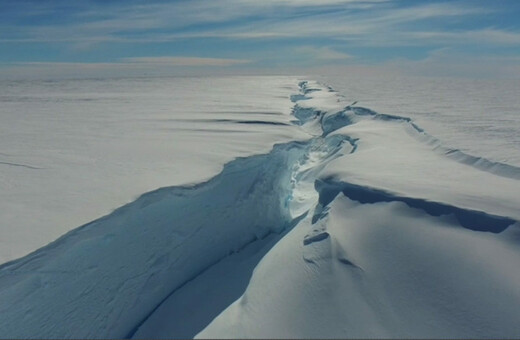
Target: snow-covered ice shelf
(354, 224)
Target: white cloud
(444, 62)
(185, 61)
(383, 24)
(449, 62)
(140, 61)
(488, 36)
(128, 23)
(126, 67)
(351, 23)
(307, 3)
(321, 53)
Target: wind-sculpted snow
(397, 245)
(364, 230)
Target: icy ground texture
(74, 150)
(367, 228)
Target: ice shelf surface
(338, 221)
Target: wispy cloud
(322, 53)
(449, 62)
(244, 20)
(125, 67)
(488, 35)
(142, 61)
(185, 61)
(233, 32)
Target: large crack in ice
(111, 274)
(328, 189)
(300, 197)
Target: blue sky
(264, 36)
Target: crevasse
(104, 279)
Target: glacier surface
(326, 220)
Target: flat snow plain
(334, 221)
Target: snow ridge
(349, 114)
(481, 163)
(332, 121)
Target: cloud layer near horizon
(254, 35)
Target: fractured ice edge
(188, 260)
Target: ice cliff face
(365, 229)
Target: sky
(184, 37)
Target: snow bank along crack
(328, 189)
(336, 119)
